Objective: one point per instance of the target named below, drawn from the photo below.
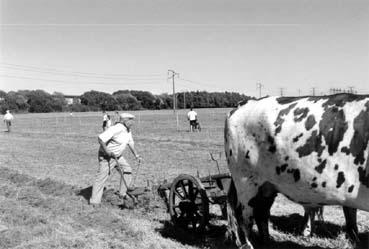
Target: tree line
(39, 101)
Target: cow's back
(312, 149)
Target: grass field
(48, 163)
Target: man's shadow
(85, 193)
(109, 198)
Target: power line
(73, 73)
(149, 24)
(194, 82)
(98, 77)
(77, 82)
(86, 76)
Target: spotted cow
(314, 150)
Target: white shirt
(8, 117)
(117, 137)
(192, 115)
(105, 117)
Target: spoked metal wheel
(188, 203)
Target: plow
(188, 198)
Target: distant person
(8, 118)
(113, 142)
(116, 117)
(105, 120)
(108, 122)
(192, 117)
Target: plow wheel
(188, 203)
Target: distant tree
(180, 100)
(167, 101)
(147, 99)
(198, 100)
(24, 92)
(99, 101)
(59, 104)
(127, 101)
(203, 99)
(40, 101)
(218, 100)
(21, 102)
(159, 103)
(2, 94)
(121, 92)
(9, 103)
(14, 101)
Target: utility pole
(299, 92)
(259, 86)
(173, 74)
(313, 88)
(184, 100)
(351, 89)
(281, 91)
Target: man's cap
(126, 115)
(7, 111)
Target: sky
(256, 47)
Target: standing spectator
(192, 117)
(105, 120)
(108, 122)
(8, 118)
(113, 142)
(116, 117)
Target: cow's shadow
(324, 229)
(211, 238)
(216, 237)
(293, 224)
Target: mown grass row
(49, 214)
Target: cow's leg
(309, 219)
(351, 223)
(234, 232)
(240, 213)
(249, 192)
(307, 229)
(264, 201)
(319, 213)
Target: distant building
(72, 99)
